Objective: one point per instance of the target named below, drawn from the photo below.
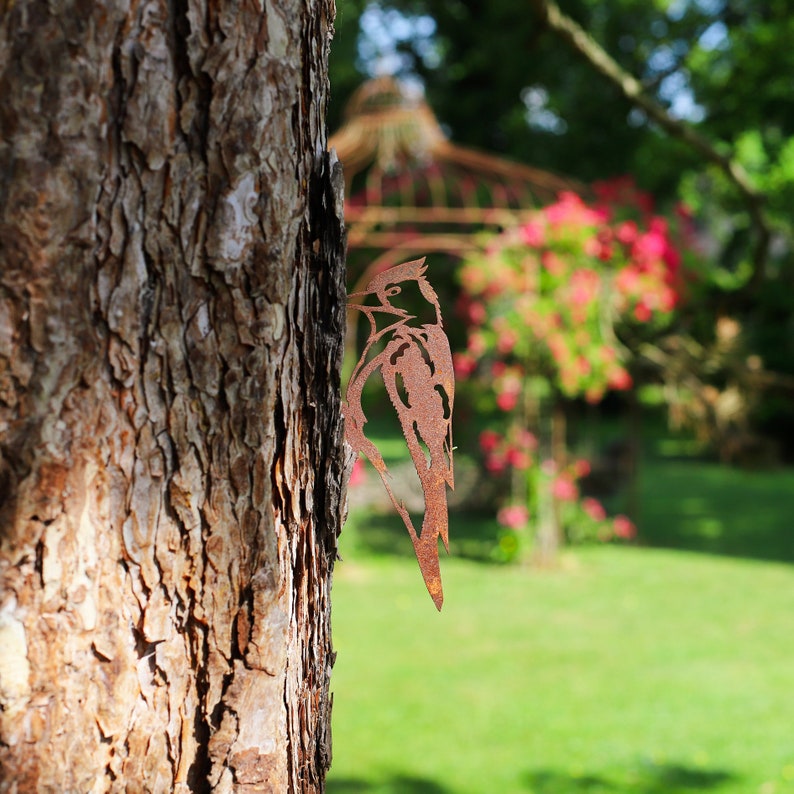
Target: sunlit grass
(627, 670)
(638, 670)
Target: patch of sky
(677, 8)
(714, 37)
(662, 59)
(539, 115)
(676, 90)
(383, 31)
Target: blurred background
(602, 190)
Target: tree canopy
(500, 80)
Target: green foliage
(501, 82)
(540, 104)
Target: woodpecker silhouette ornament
(416, 366)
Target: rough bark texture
(171, 322)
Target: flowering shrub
(583, 518)
(553, 293)
(563, 297)
(502, 452)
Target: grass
(646, 670)
(707, 507)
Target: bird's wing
(440, 357)
(417, 387)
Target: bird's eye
(393, 291)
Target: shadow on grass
(706, 507)
(649, 779)
(398, 784)
(684, 504)
(472, 535)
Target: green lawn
(642, 669)
(711, 508)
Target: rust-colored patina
(416, 366)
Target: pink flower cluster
(554, 299)
(582, 517)
(562, 283)
(513, 516)
(624, 528)
(511, 451)
(587, 510)
(593, 508)
(565, 482)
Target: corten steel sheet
(416, 366)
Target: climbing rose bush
(583, 518)
(552, 295)
(563, 298)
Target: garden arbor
(412, 191)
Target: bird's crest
(416, 367)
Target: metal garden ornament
(416, 366)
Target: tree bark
(171, 328)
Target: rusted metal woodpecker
(416, 366)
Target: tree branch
(582, 43)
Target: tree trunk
(171, 326)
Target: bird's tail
(426, 549)
(435, 523)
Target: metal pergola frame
(410, 190)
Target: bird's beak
(378, 307)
